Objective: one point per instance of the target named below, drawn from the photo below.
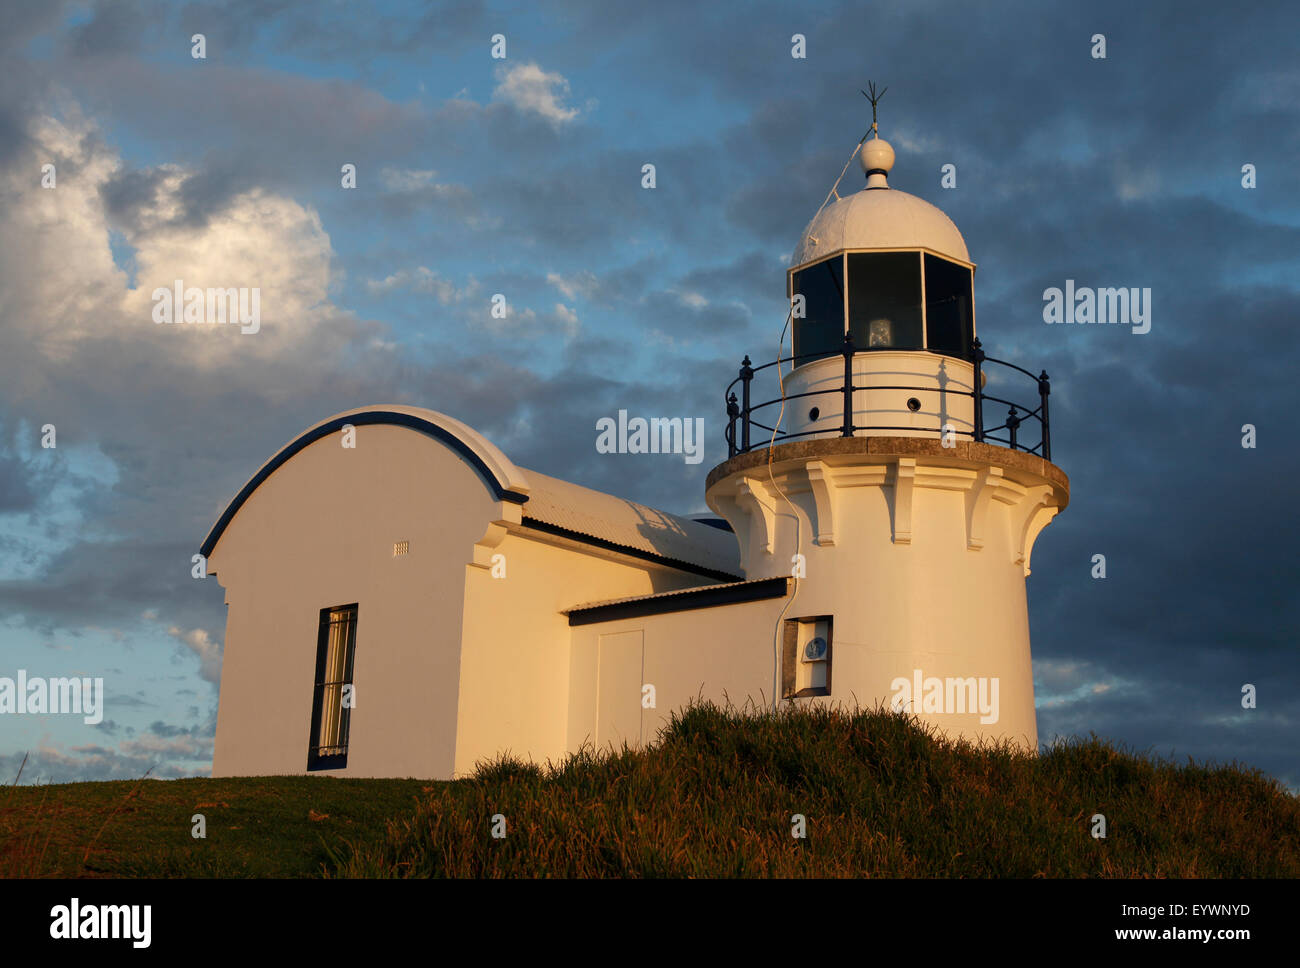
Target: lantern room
(882, 271)
(884, 267)
(882, 316)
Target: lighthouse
(885, 481)
(897, 473)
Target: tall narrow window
(331, 706)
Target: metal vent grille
(401, 548)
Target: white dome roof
(879, 218)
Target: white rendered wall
(921, 560)
(453, 666)
(515, 665)
(945, 383)
(319, 532)
(725, 654)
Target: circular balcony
(889, 392)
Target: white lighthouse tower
(899, 474)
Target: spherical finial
(876, 158)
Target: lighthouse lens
(885, 300)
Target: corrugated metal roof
(628, 524)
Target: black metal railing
(740, 412)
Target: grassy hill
(881, 796)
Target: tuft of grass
(881, 794)
(23, 860)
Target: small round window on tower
(913, 404)
(814, 413)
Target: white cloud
(405, 179)
(421, 279)
(516, 322)
(535, 91)
(567, 319)
(581, 283)
(1060, 675)
(424, 280)
(413, 181)
(909, 140)
(1134, 182)
(201, 644)
(1063, 683)
(528, 323)
(63, 291)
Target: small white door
(618, 688)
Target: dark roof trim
(587, 539)
(710, 596)
(364, 418)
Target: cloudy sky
(522, 176)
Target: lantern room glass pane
(821, 331)
(949, 326)
(885, 300)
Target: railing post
(1044, 390)
(977, 357)
(1013, 422)
(746, 374)
(733, 411)
(848, 385)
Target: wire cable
(779, 643)
(838, 180)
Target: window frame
(966, 333)
(790, 648)
(844, 306)
(920, 304)
(339, 760)
(922, 252)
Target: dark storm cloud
(672, 313)
(749, 276)
(586, 205)
(1148, 427)
(130, 195)
(95, 762)
(117, 28)
(168, 731)
(20, 22)
(101, 584)
(13, 132)
(341, 34)
(21, 481)
(207, 192)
